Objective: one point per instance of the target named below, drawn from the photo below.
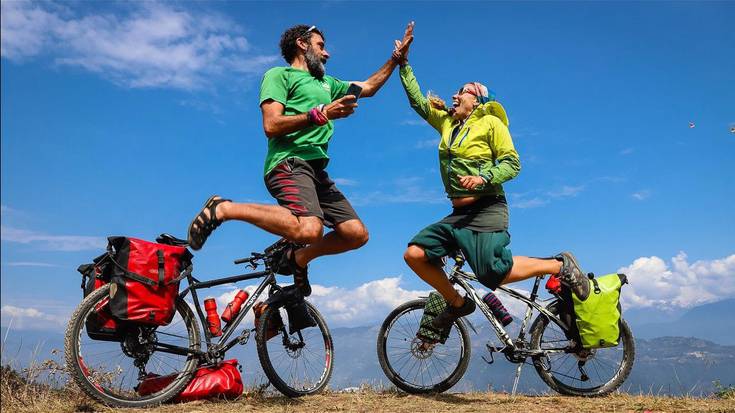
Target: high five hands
(401, 47)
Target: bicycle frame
(217, 349)
(461, 277)
(511, 350)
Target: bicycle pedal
(244, 337)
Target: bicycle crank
(583, 376)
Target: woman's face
(463, 102)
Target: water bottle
(215, 326)
(234, 306)
(553, 284)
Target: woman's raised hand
(401, 47)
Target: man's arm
(371, 86)
(276, 124)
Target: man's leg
(527, 267)
(346, 236)
(274, 219)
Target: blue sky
(122, 118)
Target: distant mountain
(665, 365)
(713, 322)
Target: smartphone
(354, 89)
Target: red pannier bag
(145, 279)
(100, 324)
(222, 380)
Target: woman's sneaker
(446, 318)
(572, 275)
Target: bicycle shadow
(449, 398)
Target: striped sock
(497, 308)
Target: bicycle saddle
(171, 240)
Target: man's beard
(314, 63)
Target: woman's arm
(508, 163)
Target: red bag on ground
(222, 380)
(146, 279)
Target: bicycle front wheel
(112, 369)
(415, 366)
(586, 372)
(297, 364)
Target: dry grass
(45, 387)
(21, 395)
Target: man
(298, 103)
(476, 156)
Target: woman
(476, 156)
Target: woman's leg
(432, 273)
(527, 267)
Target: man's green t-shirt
(298, 91)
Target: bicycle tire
(266, 355)
(82, 374)
(605, 386)
(402, 383)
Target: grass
(21, 392)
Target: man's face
(316, 45)
(316, 56)
(463, 102)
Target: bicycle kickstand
(516, 379)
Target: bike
(297, 363)
(418, 367)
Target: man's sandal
(289, 266)
(202, 225)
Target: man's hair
(289, 37)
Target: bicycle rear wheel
(415, 366)
(297, 364)
(111, 371)
(603, 370)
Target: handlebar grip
(242, 261)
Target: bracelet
(317, 117)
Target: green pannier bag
(435, 304)
(598, 317)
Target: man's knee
(413, 254)
(308, 231)
(354, 233)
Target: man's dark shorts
(306, 190)
(486, 252)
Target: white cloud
(367, 304)
(427, 143)
(24, 318)
(29, 264)
(566, 191)
(345, 182)
(405, 190)
(153, 45)
(641, 195)
(654, 283)
(529, 203)
(414, 122)
(52, 242)
(536, 198)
